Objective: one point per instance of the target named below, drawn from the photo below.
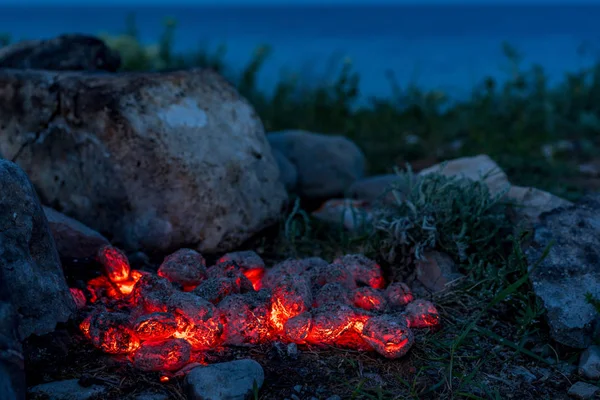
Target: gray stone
(160, 161)
(232, 380)
(151, 396)
(530, 203)
(66, 52)
(12, 374)
(436, 271)
(287, 171)
(376, 188)
(570, 270)
(73, 239)
(327, 164)
(66, 390)
(31, 277)
(583, 391)
(589, 363)
(476, 168)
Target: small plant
(456, 215)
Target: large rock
(326, 164)
(12, 374)
(73, 239)
(234, 380)
(531, 203)
(570, 270)
(66, 52)
(158, 161)
(30, 273)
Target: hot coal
(398, 295)
(164, 322)
(369, 299)
(365, 271)
(422, 314)
(162, 355)
(389, 335)
(185, 267)
(245, 318)
(252, 266)
(332, 293)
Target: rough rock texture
(530, 203)
(374, 187)
(474, 168)
(12, 375)
(66, 390)
(589, 363)
(436, 271)
(158, 160)
(66, 52)
(232, 380)
(287, 171)
(583, 391)
(30, 271)
(327, 164)
(571, 269)
(73, 239)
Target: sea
(450, 48)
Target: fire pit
(166, 321)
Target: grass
(492, 320)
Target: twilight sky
(280, 2)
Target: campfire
(170, 320)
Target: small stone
(436, 271)
(351, 214)
(298, 388)
(589, 363)
(292, 351)
(235, 380)
(524, 373)
(67, 390)
(294, 397)
(583, 391)
(151, 396)
(377, 188)
(334, 397)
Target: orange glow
(168, 321)
(116, 265)
(164, 379)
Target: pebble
(232, 380)
(589, 363)
(583, 391)
(67, 390)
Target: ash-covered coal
(165, 321)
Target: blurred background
(409, 81)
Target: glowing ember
(167, 322)
(422, 314)
(369, 299)
(185, 267)
(115, 263)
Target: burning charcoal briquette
(291, 297)
(364, 270)
(231, 270)
(252, 266)
(332, 273)
(78, 297)
(369, 299)
(162, 355)
(332, 293)
(388, 335)
(152, 293)
(196, 320)
(398, 295)
(110, 331)
(422, 314)
(115, 263)
(323, 325)
(291, 267)
(245, 318)
(155, 326)
(216, 289)
(185, 267)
